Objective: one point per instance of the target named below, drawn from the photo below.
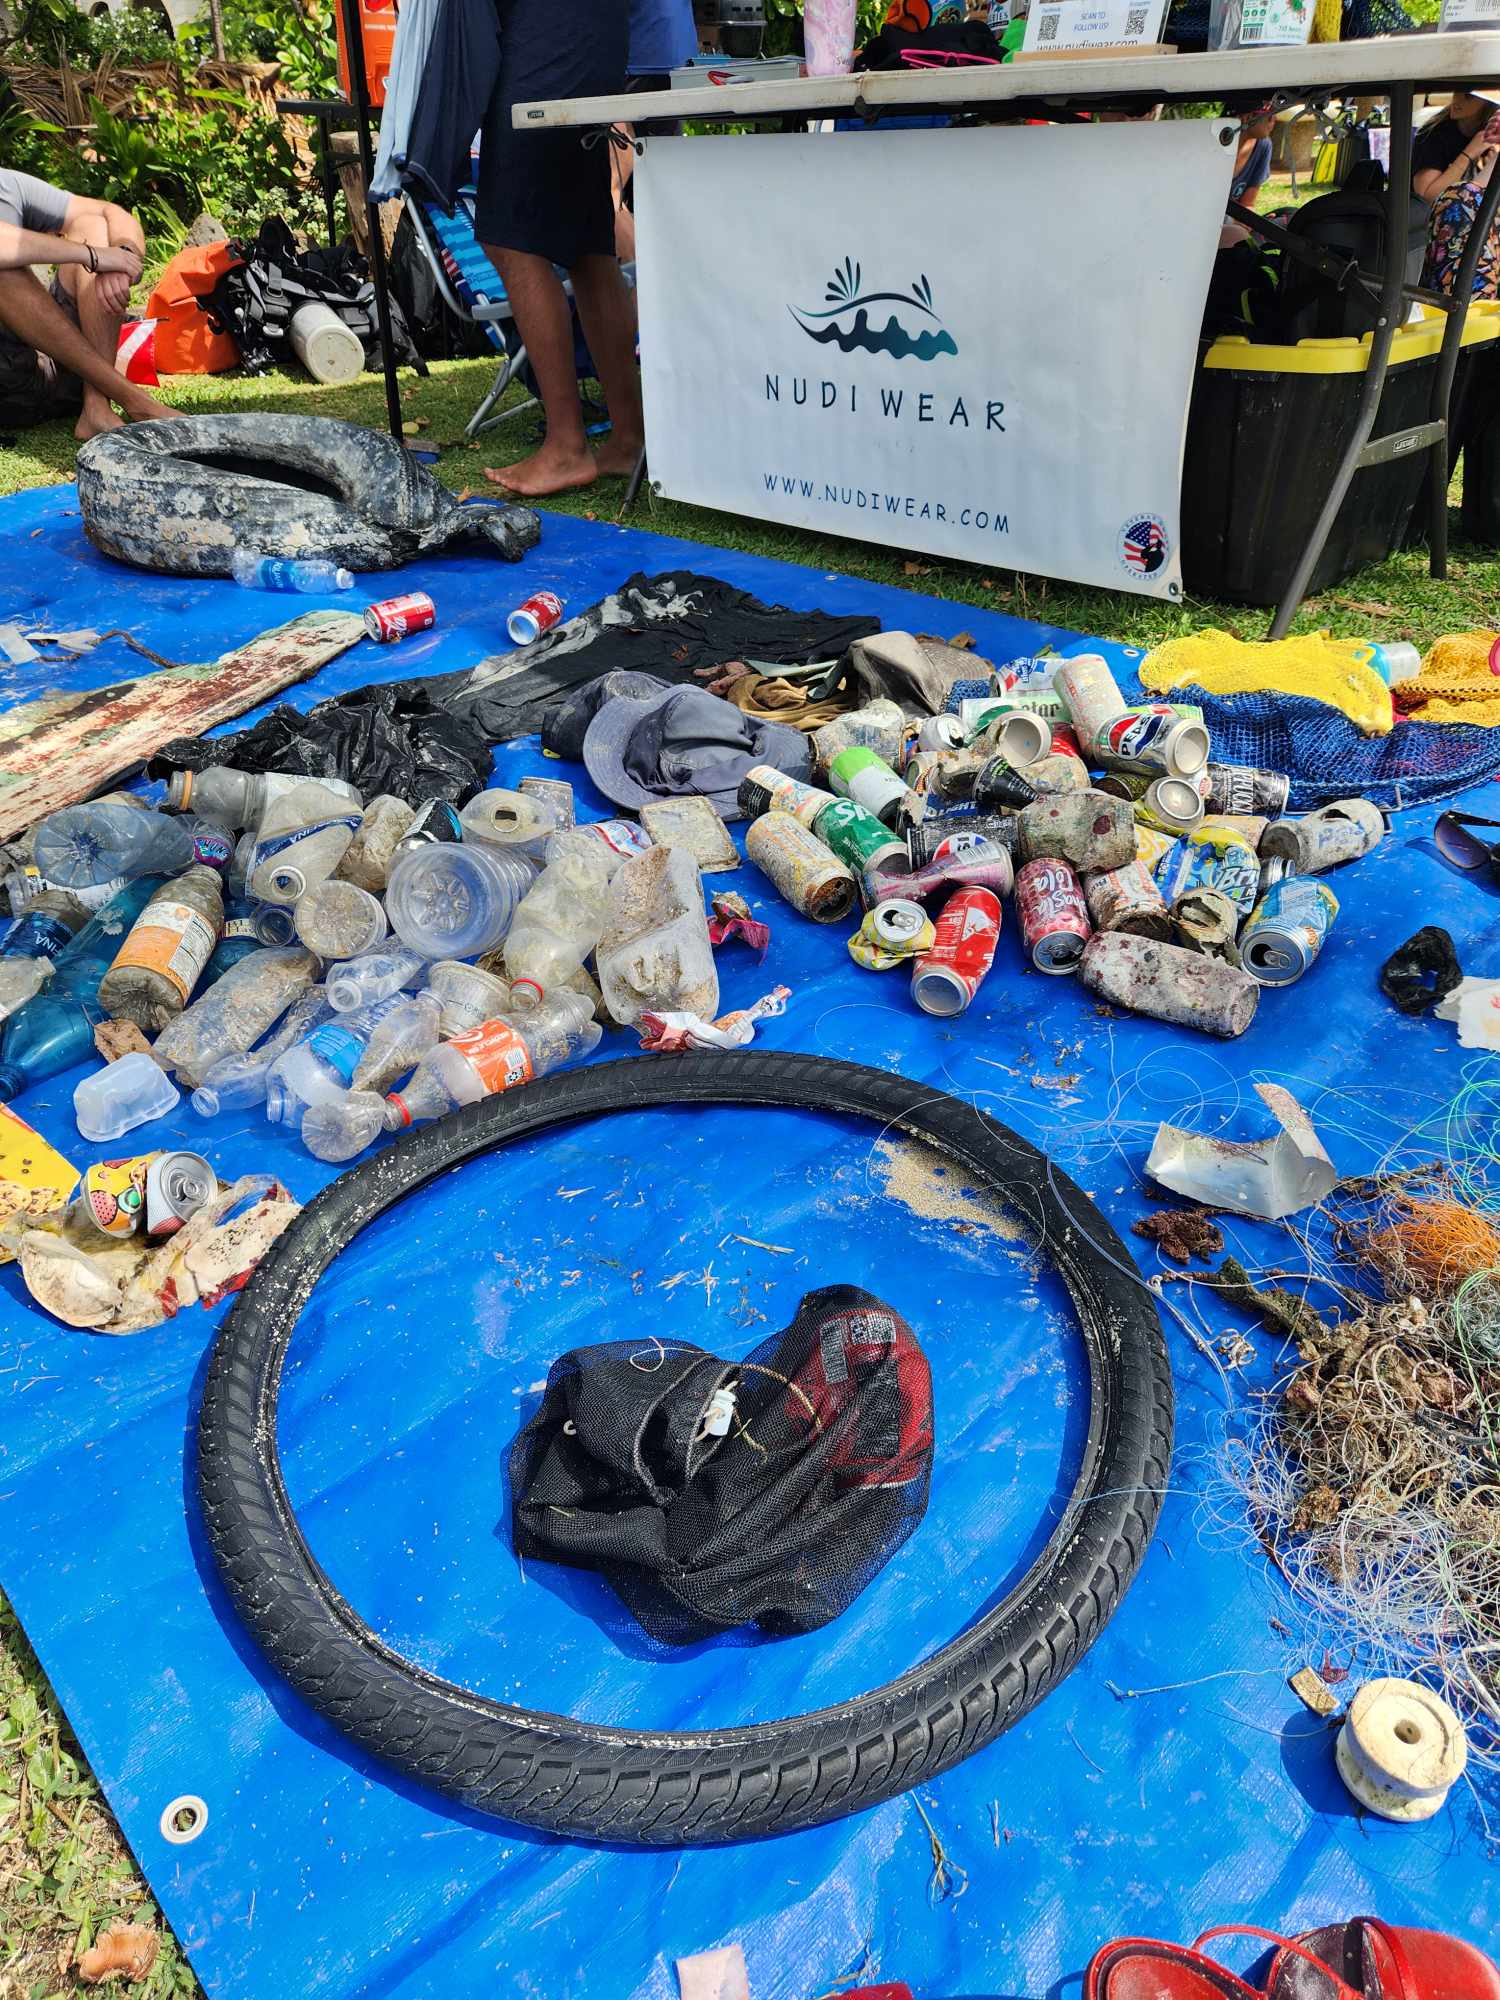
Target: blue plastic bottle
(253, 571)
(56, 1030)
(237, 940)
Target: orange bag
(186, 343)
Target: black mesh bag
(713, 1493)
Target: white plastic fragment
(18, 650)
(1401, 1749)
(1267, 1179)
(1474, 1004)
(714, 1975)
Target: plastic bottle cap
(343, 579)
(524, 989)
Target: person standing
(1252, 160)
(1451, 162)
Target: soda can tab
(890, 933)
(1180, 987)
(1151, 739)
(1209, 859)
(1126, 899)
(1089, 829)
(1286, 929)
(1054, 915)
(396, 617)
(998, 787)
(810, 877)
(764, 789)
(540, 612)
(981, 864)
(946, 977)
(177, 1186)
(945, 839)
(1203, 920)
(1343, 831)
(1240, 788)
(858, 839)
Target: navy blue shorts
(544, 191)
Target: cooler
(377, 23)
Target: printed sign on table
(976, 344)
(1054, 25)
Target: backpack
(254, 300)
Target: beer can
(530, 620)
(1342, 831)
(944, 839)
(1151, 738)
(395, 617)
(1240, 788)
(1126, 899)
(436, 821)
(1054, 915)
(764, 789)
(945, 978)
(1208, 858)
(858, 839)
(1170, 805)
(812, 879)
(1286, 929)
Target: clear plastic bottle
(302, 838)
(434, 823)
(226, 796)
(23, 886)
(339, 920)
(654, 956)
(344, 1126)
(368, 861)
(496, 1056)
(321, 1066)
(511, 820)
(252, 570)
(56, 1030)
(455, 902)
(236, 1012)
(274, 923)
(467, 995)
(558, 923)
(236, 1081)
(238, 940)
(165, 951)
(618, 839)
(32, 943)
(83, 845)
(399, 1043)
(373, 976)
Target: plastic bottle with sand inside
(654, 956)
(233, 1014)
(386, 822)
(302, 837)
(449, 901)
(56, 1030)
(466, 995)
(165, 951)
(31, 944)
(339, 920)
(321, 1066)
(236, 1081)
(399, 1042)
(373, 976)
(88, 844)
(228, 797)
(496, 1056)
(617, 839)
(511, 820)
(558, 923)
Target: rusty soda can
(937, 839)
(812, 879)
(764, 789)
(945, 978)
(395, 617)
(1286, 929)
(1208, 858)
(1014, 730)
(540, 612)
(1126, 899)
(1170, 984)
(856, 837)
(999, 787)
(1240, 788)
(1054, 916)
(1058, 771)
(981, 864)
(1203, 920)
(556, 794)
(1089, 829)
(1152, 738)
(1342, 831)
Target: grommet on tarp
(1401, 1750)
(184, 1819)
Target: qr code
(1135, 22)
(1047, 30)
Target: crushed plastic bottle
(56, 1030)
(236, 1081)
(31, 944)
(225, 796)
(84, 845)
(344, 1126)
(302, 838)
(252, 570)
(368, 862)
(654, 956)
(558, 923)
(496, 1056)
(339, 920)
(467, 995)
(619, 839)
(398, 1043)
(373, 976)
(321, 1066)
(455, 902)
(236, 1012)
(122, 1095)
(163, 956)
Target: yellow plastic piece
(1347, 355)
(1455, 683)
(34, 1177)
(1315, 664)
(1328, 20)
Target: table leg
(1440, 465)
(1397, 201)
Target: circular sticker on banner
(1144, 547)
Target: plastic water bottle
(56, 1030)
(368, 862)
(122, 1095)
(467, 995)
(236, 1012)
(399, 1042)
(23, 886)
(455, 902)
(226, 796)
(165, 951)
(302, 838)
(498, 1055)
(344, 1126)
(557, 924)
(322, 1066)
(274, 923)
(238, 940)
(87, 844)
(254, 571)
(512, 820)
(338, 920)
(373, 976)
(236, 1081)
(654, 955)
(31, 944)
(616, 839)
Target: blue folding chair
(470, 288)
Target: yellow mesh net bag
(1314, 664)
(1456, 683)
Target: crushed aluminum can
(941, 732)
(1343, 831)
(150, 1194)
(1241, 788)
(858, 839)
(1126, 899)
(1285, 931)
(942, 839)
(812, 879)
(1089, 829)
(980, 864)
(1268, 1179)
(1054, 915)
(890, 933)
(1170, 984)
(999, 787)
(1209, 859)
(397, 617)
(1203, 920)
(946, 977)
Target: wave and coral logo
(845, 322)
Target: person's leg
(540, 305)
(28, 310)
(607, 309)
(99, 326)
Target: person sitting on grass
(57, 345)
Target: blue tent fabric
(1173, 1781)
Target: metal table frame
(1394, 67)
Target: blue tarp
(1206, 1795)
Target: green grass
(1393, 600)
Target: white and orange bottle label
(496, 1053)
(172, 939)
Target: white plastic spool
(327, 349)
(1401, 1750)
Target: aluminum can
(1126, 899)
(943, 838)
(149, 1194)
(540, 612)
(764, 789)
(1170, 984)
(999, 787)
(1089, 829)
(1240, 788)
(1285, 931)
(980, 865)
(396, 617)
(1209, 859)
(945, 979)
(1054, 916)
(1151, 738)
(861, 775)
(858, 839)
(1342, 831)
(811, 879)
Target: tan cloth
(765, 699)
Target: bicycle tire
(698, 1787)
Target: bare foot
(550, 470)
(148, 410)
(92, 423)
(616, 457)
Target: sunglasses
(1464, 849)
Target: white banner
(966, 343)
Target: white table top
(1357, 68)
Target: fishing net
(1456, 682)
(1339, 672)
(713, 1493)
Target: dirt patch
(1181, 1234)
(933, 1188)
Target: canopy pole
(359, 90)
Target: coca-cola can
(1054, 916)
(397, 617)
(945, 979)
(537, 615)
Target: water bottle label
(213, 847)
(172, 939)
(35, 936)
(339, 1047)
(497, 1055)
(267, 850)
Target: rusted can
(396, 617)
(1171, 805)
(764, 789)
(941, 732)
(1249, 826)
(812, 879)
(1059, 771)
(1170, 984)
(947, 774)
(1286, 929)
(1089, 829)
(1054, 915)
(1240, 788)
(1211, 858)
(981, 865)
(858, 839)
(1342, 831)
(937, 839)
(1203, 920)
(999, 787)
(1126, 899)
(946, 977)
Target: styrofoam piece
(1401, 1749)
